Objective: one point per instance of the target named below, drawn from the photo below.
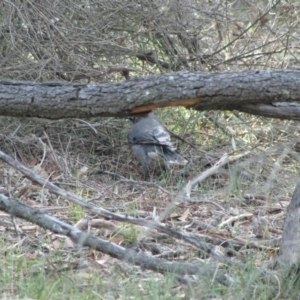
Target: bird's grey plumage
(150, 142)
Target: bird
(151, 143)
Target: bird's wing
(136, 136)
(162, 136)
(155, 135)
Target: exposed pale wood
(187, 103)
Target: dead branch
(17, 208)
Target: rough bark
(201, 91)
(290, 246)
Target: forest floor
(239, 210)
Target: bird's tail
(174, 158)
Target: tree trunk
(290, 246)
(249, 91)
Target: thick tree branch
(287, 111)
(201, 91)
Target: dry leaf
(81, 173)
(185, 215)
